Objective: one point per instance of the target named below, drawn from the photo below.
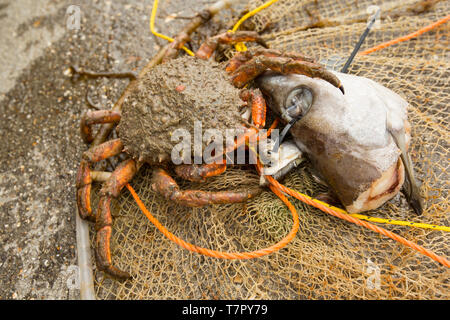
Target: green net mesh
(329, 258)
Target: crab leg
(242, 57)
(96, 117)
(83, 184)
(111, 189)
(100, 176)
(77, 72)
(210, 45)
(103, 151)
(285, 65)
(258, 106)
(197, 173)
(238, 60)
(84, 177)
(200, 19)
(163, 183)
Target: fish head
(349, 138)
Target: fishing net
(329, 258)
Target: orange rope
(278, 188)
(220, 254)
(407, 37)
(432, 255)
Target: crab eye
(298, 102)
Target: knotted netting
(329, 258)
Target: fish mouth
(381, 190)
(395, 178)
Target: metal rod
(360, 42)
(280, 138)
(86, 278)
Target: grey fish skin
(352, 139)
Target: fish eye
(298, 102)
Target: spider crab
(184, 88)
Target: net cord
(278, 188)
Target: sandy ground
(39, 120)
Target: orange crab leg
(210, 45)
(249, 136)
(103, 151)
(164, 184)
(96, 117)
(242, 57)
(103, 225)
(285, 65)
(83, 184)
(84, 180)
(119, 178)
(197, 173)
(238, 60)
(258, 106)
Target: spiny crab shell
(173, 96)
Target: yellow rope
(367, 218)
(241, 46)
(252, 13)
(157, 34)
(381, 220)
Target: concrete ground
(39, 123)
